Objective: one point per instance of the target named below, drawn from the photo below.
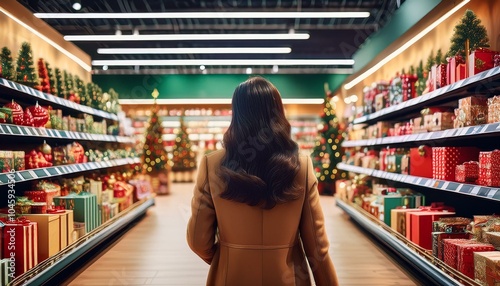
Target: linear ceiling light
(401, 49)
(213, 101)
(70, 55)
(225, 62)
(143, 51)
(204, 15)
(188, 37)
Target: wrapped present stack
(480, 60)
(84, 206)
(467, 172)
(465, 259)
(409, 90)
(448, 228)
(445, 160)
(489, 168)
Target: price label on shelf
(492, 193)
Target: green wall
(213, 85)
(410, 12)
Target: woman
(256, 209)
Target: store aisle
(154, 252)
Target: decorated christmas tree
(25, 70)
(469, 28)
(61, 90)
(96, 99)
(85, 97)
(327, 152)
(69, 84)
(7, 65)
(184, 159)
(52, 79)
(43, 75)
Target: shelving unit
(481, 83)
(52, 266)
(485, 83)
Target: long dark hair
(261, 159)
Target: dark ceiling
(329, 38)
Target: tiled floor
(154, 252)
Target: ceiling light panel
(145, 51)
(225, 62)
(187, 37)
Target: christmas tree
(421, 78)
(85, 97)
(52, 79)
(69, 87)
(7, 65)
(431, 60)
(61, 90)
(25, 71)
(439, 58)
(154, 156)
(43, 75)
(469, 28)
(327, 152)
(184, 159)
(113, 101)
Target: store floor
(154, 252)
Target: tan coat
(247, 245)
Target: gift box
(460, 72)
(421, 226)
(441, 121)
(80, 230)
(445, 160)
(25, 239)
(465, 261)
(84, 206)
(418, 124)
(489, 168)
(396, 91)
(383, 129)
(480, 60)
(493, 238)
(451, 68)
(394, 201)
(398, 219)
(450, 252)
(6, 161)
(381, 100)
(405, 164)
(49, 234)
(441, 79)
(438, 241)
(18, 160)
(421, 161)
(487, 268)
(143, 188)
(105, 212)
(114, 210)
(451, 224)
(473, 110)
(408, 85)
(66, 225)
(467, 172)
(494, 109)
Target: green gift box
(84, 206)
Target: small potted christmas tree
(25, 71)
(6, 64)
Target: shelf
(56, 171)
(16, 130)
(448, 135)
(419, 263)
(490, 193)
(48, 269)
(19, 90)
(484, 82)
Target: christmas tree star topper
(155, 94)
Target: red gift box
(450, 251)
(467, 172)
(465, 261)
(25, 246)
(421, 161)
(490, 160)
(460, 72)
(489, 168)
(440, 76)
(438, 241)
(421, 226)
(445, 160)
(409, 91)
(480, 60)
(383, 159)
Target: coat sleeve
(202, 225)
(313, 234)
